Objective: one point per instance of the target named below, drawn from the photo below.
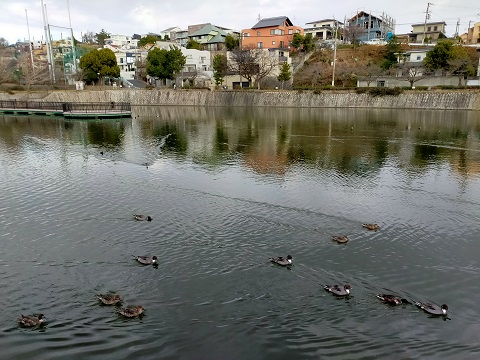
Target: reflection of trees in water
(106, 133)
(173, 139)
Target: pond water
(227, 189)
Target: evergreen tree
(220, 68)
(285, 73)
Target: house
(270, 33)
(180, 37)
(126, 60)
(123, 42)
(197, 70)
(411, 71)
(169, 34)
(426, 32)
(278, 57)
(472, 36)
(365, 27)
(210, 37)
(323, 29)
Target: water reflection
(273, 140)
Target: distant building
(432, 31)
(323, 29)
(209, 36)
(122, 42)
(472, 36)
(365, 27)
(270, 33)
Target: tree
(149, 39)
(89, 38)
(370, 72)
(99, 63)
(412, 72)
(285, 73)
(353, 34)
(36, 73)
(463, 62)
(141, 69)
(254, 64)
(439, 57)
(231, 42)
(220, 68)
(101, 36)
(394, 49)
(3, 43)
(308, 44)
(193, 44)
(165, 64)
(297, 41)
(7, 66)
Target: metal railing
(109, 107)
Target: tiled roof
(324, 20)
(207, 29)
(271, 22)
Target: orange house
(270, 33)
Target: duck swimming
(146, 260)
(31, 321)
(392, 299)
(341, 239)
(433, 309)
(109, 299)
(132, 311)
(142, 217)
(338, 290)
(371, 226)
(282, 261)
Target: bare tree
(370, 73)
(7, 66)
(141, 66)
(36, 73)
(253, 64)
(412, 72)
(353, 32)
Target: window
(260, 45)
(297, 31)
(435, 28)
(246, 34)
(273, 42)
(121, 60)
(290, 31)
(429, 28)
(380, 83)
(276, 32)
(419, 57)
(282, 44)
(258, 33)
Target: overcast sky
(127, 17)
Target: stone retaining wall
(467, 100)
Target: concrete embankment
(466, 100)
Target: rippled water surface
(227, 189)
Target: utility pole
(334, 52)
(74, 57)
(456, 28)
(29, 40)
(427, 16)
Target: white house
(122, 42)
(126, 61)
(323, 29)
(170, 32)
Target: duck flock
(339, 290)
(345, 289)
